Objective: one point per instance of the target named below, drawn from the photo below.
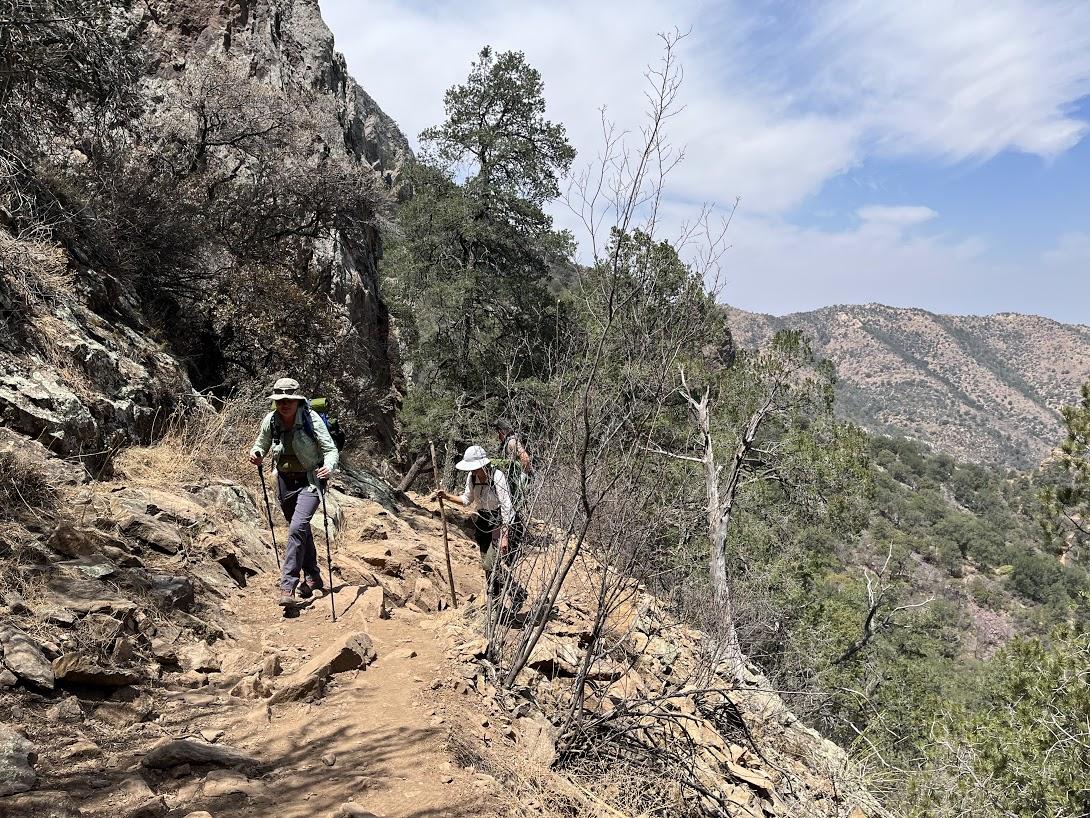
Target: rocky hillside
(146, 670)
(177, 271)
(982, 388)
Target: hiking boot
(305, 590)
(285, 599)
(314, 585)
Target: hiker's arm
(465, 498)
(330, 454)
(507, 509)
(524, 459)
(262, 442)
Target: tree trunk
(719, 517)
(412, 473)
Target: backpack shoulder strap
(276, 429)
(308, 421)
(505, 446)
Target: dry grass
(34, 269)
(24, 488)
(531, 789)
(200, 442)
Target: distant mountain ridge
(982, 388)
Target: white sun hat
(475, 458)
(286, 389)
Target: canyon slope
(982, 388)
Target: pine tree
(475, 250)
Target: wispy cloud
(896, 215)
(1072, 251)
(962, 80)
(780, 99)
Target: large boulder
(170, 592)
(158, 535)
(17, 759)
(92, 566)
(24, 658)
(76, 668)
(37, 404)
(537, 739)
(200, 657)
(70, 589)
(233, 498)
(349, 653)
(39, 804)
(76, 541)
(554, 657)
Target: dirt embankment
(148, 671)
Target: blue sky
(929, 154)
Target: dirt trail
(378, 737)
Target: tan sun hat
(285, 389)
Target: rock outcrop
(16, 763)
(81, 372)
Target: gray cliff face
(283, 44)
(288, 46)
(83, 372)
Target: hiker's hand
(322, 472)
(255, 458)
(504, 540)
(438, 495)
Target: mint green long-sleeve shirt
(312, 452)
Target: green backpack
(517, 479)
(321, 406)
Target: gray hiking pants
(298, 502)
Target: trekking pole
(268, 511)
(443, 515)
(328, 552)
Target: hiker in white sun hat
(494, 524)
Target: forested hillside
(900, 625)
(982, 388)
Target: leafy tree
(1022, 748)
(471, 263)
(1067, 500)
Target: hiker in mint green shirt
(304, 455)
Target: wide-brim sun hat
(286, 389)
(475, 458)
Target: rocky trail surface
(146, 670)
(195, 691)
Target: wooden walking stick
(443, 515)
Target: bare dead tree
(875, 620)
(598, 421)
(750, 459)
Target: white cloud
(1072, 250)
(778, 267)
(962, 80)
(780, 98)
(739, 140)
(899, 216)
